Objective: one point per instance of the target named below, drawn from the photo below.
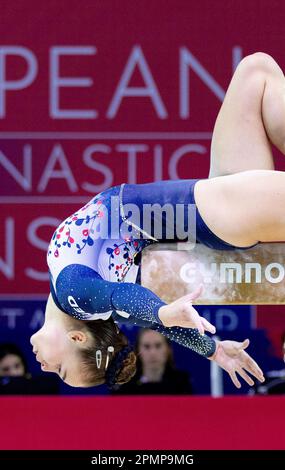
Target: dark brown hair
(106, 333)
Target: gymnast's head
(83, 353)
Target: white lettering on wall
(57, 82)
(37, 319)
(189, 61)
(7, 265)
(132, 150)
(37, 242)
(12, 314)
(150, 89)
(100, 167)
(24, 179)
(179, 153)
(57, 156)
(188, 64)
(24, 82)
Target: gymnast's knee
(257, 62)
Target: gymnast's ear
(77, 336)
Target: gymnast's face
(57, 345)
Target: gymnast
(94, 280)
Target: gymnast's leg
(251, 196)
(252, 117)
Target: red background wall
(142, 423)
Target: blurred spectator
(156, 371)
(12, 361)
(274, 379)
(15, 377)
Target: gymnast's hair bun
(122, 367)
(129, 369)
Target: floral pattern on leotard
(123, 250)
(62, 238)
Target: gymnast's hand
(231, 356)
(182, 313)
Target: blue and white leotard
(95, 277)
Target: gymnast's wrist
(212, 357)
(163, 315)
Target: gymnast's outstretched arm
(229, 355)
(189, 338)
(81, 293)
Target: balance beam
(254, 276)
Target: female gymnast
(92, 278)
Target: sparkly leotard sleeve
(188, 337)
(80, 291)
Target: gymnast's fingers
(235, 379)
(196, 321)
(208, 326)
(245, 376)
(252, 367)
(196, 293)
